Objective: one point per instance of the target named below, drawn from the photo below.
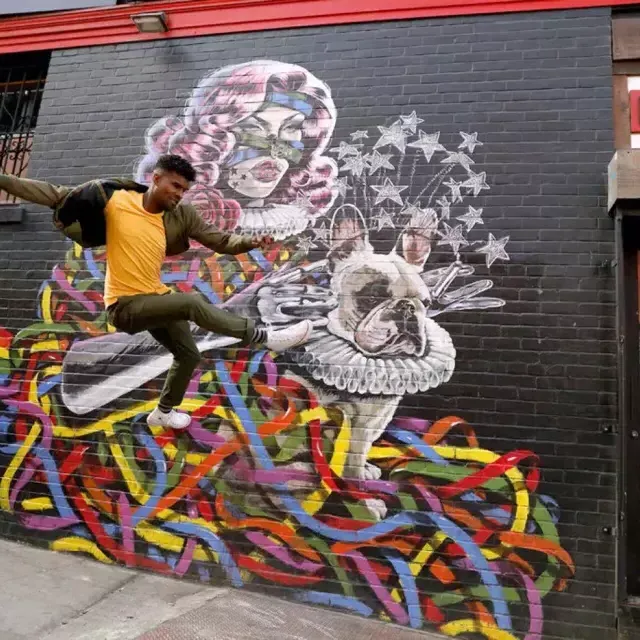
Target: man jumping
(140, 226)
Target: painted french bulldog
(378, 343)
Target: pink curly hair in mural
(206, 134)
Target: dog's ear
(349, 233)
(416, 238)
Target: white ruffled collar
(337, 363)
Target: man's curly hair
(177, 164)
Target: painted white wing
(466, 297)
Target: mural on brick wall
(301, 471)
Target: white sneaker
(172, 420)
(289, 337)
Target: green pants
(166, 317)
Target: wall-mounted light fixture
(155, 22)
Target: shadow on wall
(299, 472)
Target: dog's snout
(394, 327)
(405, 307)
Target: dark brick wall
(535, 375)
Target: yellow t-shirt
(136, 247)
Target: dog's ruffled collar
(337, 363)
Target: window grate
(22, 82)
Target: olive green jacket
(79, 214)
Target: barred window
(22, 80)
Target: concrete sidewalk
(55, 596)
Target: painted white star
(411, 122)
(305, 244)
(428, 144)
(471, 218)
(359, 135)
(322, 233)
(494, 249)
(393, 135)
(454, 237)
(355, 164)
(387, 191)
(378, 161)
(457, 156)
(341, 186)
(303, 201)
(384, 220)
(469, 141)
(445, 208)
(456, 196)
(476, 182)
(345, 149)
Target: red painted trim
(634, 111)
(189, 18)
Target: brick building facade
(487, 507)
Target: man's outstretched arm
(220, 242)
(35, 191)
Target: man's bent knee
(194, 300)
(192, 358)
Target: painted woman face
(272, 136)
